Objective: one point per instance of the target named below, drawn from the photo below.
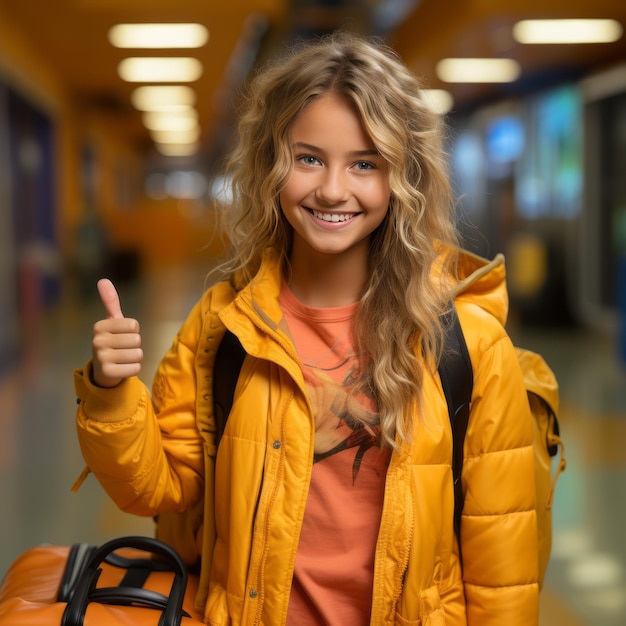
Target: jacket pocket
(431, 611)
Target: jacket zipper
(402, 569)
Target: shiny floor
(40, 459)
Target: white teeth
(332, 217)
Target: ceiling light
(440, 100)
(179, 136)
(178, 149)
(171, 120)
(567, 31)
(467, 70)
(160, 69)
(163, 97)
(169, 124)
(158, 35)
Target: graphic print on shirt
(346, 418)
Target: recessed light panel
(178, 149)
(158, 35)
(163, 97)
(567, 31)
(473, 70)
(180, 136)
(440, 100)
(171, 120)
(160, 69)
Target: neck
(327, 280)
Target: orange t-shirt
(334, 567)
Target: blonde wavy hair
(397, 328)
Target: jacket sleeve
(498, 526)
(146, 452)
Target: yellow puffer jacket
(243, 511)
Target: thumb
(110, 299)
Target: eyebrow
(354, 153)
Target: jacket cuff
(112, 404)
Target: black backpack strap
(457, 379)
(228, 362)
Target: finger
(126, 356)
(110, 299)
(116, 334)
(111, 374)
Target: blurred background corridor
(106, 171)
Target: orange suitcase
(130, 581)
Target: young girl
(330, 498)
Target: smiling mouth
(333, 217)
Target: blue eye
(364, 165)
(307, 159)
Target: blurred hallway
(538, 164)
(40, 459)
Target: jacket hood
(483, 283)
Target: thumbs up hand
(116, 343)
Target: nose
(333, 186)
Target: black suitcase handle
(86, 591)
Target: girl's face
(338, 191)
